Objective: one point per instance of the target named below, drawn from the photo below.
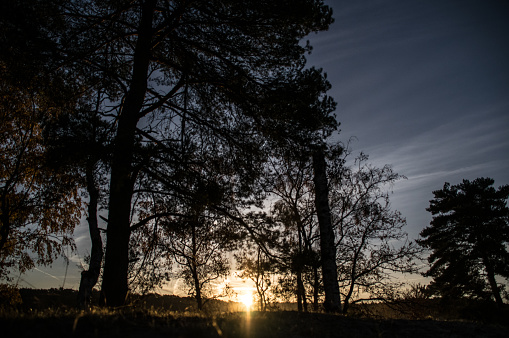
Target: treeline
(199, 130)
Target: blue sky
(422, 85)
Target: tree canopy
(468, 239)
(171, 74)
(180, 118)
(39, 205)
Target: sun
(247, 300)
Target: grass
(149, 320)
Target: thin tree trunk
(315, 288)
(299, 292)
(259, 281)
(298, 267)
(353, 274)
(328, 249)
(194, 268)
(114, 286)
(89, 277)
(5, 226)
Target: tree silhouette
(327, 246)
(468, 239)
(370, 237)
(192, 91)
(259, 268)
(199, 245)
(39, 204)
(295, 212)
(79, 142)
(209, 62)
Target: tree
(199, 245)
(468, 239)
(259, 268)
(78, 141)
(295, 213)
(370, 238)
(40, 199)
(327, 246)
(39, 205)
(210, 62)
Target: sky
(422, 85)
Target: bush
(9, 295)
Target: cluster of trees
(198, 127)
(370, 243)
(179, 103)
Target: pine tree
(468, 239)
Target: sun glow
(247, 300)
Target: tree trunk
(259, 281)
(114, 286)
(298, 268)
(328, 249)
(346, 305)
(315, 288)
(495, 290)
(346, 301)
(89, 277)
(194, 267)
(299, 292)
(5, 226)
(197, 289)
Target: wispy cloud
(47, 274)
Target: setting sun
(247, 300)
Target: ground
(284, 324)
(45, 313)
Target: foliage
(223, 69)
(371, 242)
(79, 141)
(9, 296)
(261, 270)
(468, 239)
(199, 244)
(39, 205)
(294, 211)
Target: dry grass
(145, 320)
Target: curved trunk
(89, 277)
(346, 305)
(495, 290)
